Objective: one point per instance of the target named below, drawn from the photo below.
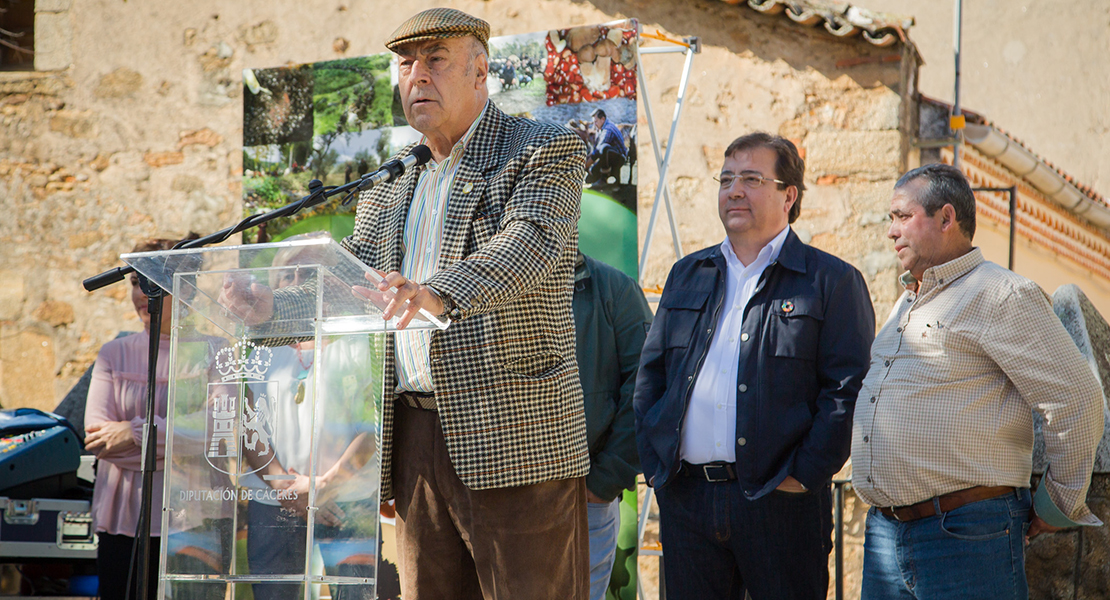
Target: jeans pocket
(978, 521)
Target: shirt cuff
(1048, 509)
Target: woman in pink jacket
(114, 415)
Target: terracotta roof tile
(841, 19)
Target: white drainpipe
(994, 144)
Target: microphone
(396, 167)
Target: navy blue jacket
(810, 325)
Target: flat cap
(439, 23)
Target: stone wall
(119, 137)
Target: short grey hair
(946, 185)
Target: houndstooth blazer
(505, 374)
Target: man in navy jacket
(746, 388)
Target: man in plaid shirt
(943, 437)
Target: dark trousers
(453, 542)
(113, 556)
(609, 162)
(717, 543)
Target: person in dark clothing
(611, 319)
(609, 153)
(746, 389)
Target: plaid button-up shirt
(955, 374)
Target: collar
(581, 268)
(943, 274)
(767, 255)
(793, 253)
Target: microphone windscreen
(422, 154)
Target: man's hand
(416, 295)
(791, 486)
(1037, 526)
(106, 439)
(251, 302)
(328, 513)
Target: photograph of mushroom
(593, 62)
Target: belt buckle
(710, 478)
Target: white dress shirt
(709, 429)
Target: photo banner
(338, 120)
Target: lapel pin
(467, 187)
(787, 306)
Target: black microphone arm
(395, 168)
(318, 193)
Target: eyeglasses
(749, 180)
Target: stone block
(11, 295)
(265, 32)
(1091, 334)
(235, 164)
(186, 183)
(1094, 569)
(878, 111)
(79, 124)
(54, 313)
(83, 239)
(1050, 565)
(119, 83)
(101, 162)
(199, 212)
(27, 370)
(876, 262)
(868, 154)
(161, 159)
(52, 6)
(824, 209)
(53, 41)
(205, 137)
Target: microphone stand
(140, 549)
(318, 194)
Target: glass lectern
(271, 464)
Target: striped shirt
(422, 239)
(955, 374)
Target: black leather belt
(420, 400)
(712, 472)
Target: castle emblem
(239, 424)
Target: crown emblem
(243, 360)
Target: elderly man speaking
(483, 430)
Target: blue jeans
(976, 552)
(605, 522)
(717, 543)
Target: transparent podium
(272, 471)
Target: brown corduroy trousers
(529, 542)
